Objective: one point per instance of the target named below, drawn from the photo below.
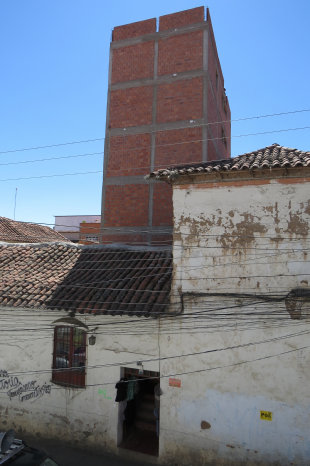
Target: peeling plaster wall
(71, 415)
(251, 356)
(251, 238)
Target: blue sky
(54, 65)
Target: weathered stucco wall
(237, 245)
(246, 236)
(30, 402)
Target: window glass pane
(62, 349)
(79, 348)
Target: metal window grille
(69, 359)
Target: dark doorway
(139, 414)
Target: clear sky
(54, 67)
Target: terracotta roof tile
(86, 279)
(270, 157)
(23, 232)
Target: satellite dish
(6, 440)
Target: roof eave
(221, 175)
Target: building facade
(90, 232)
(213, 346)
(241, 280)
(70, 225)
(166, 105)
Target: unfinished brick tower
(166, 106)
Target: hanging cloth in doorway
(132, 388)
(121, 390)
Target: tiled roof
(270, 157)
(12, 231)
(85, 279)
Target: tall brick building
(166, 89)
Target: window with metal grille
(69, 358)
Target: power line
(158, 231)
(51, 145)
(164, 272)
(197, 315)
(201, 140)
(163, 376)
(93, 249)
(52, 158)
(51, 176)
(165, 358)
(204, 124)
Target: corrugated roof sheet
(270, 157)
(22, 232)
(97, 280)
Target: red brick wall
(87, 228)
(180, 53)
(126, 205)
(177, 100)
(212, 154)
(213, 116)
(217, 115)
(130, 239)
(133, 62)
(162, 205)
(215, 107)
(131, 107)
(138, 239)
(181, 100)
(129, 155)
(178, 146)
(212, 45)
(182, 18)
(134, 29)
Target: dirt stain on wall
(243, 233)
(296, 225)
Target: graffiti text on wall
(15, 388)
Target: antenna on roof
(15, 202)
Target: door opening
(139, 413)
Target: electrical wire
(51, 176)
(196, 315)
(166, 358)
(52, 158)
(201, 140)
(276, 237)
(204, 124)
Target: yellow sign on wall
(266, 415)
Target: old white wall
(73, 415)
(249, 237)
(243, 239)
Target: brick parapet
(158, 35)
(181, 19)
(139, 28)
